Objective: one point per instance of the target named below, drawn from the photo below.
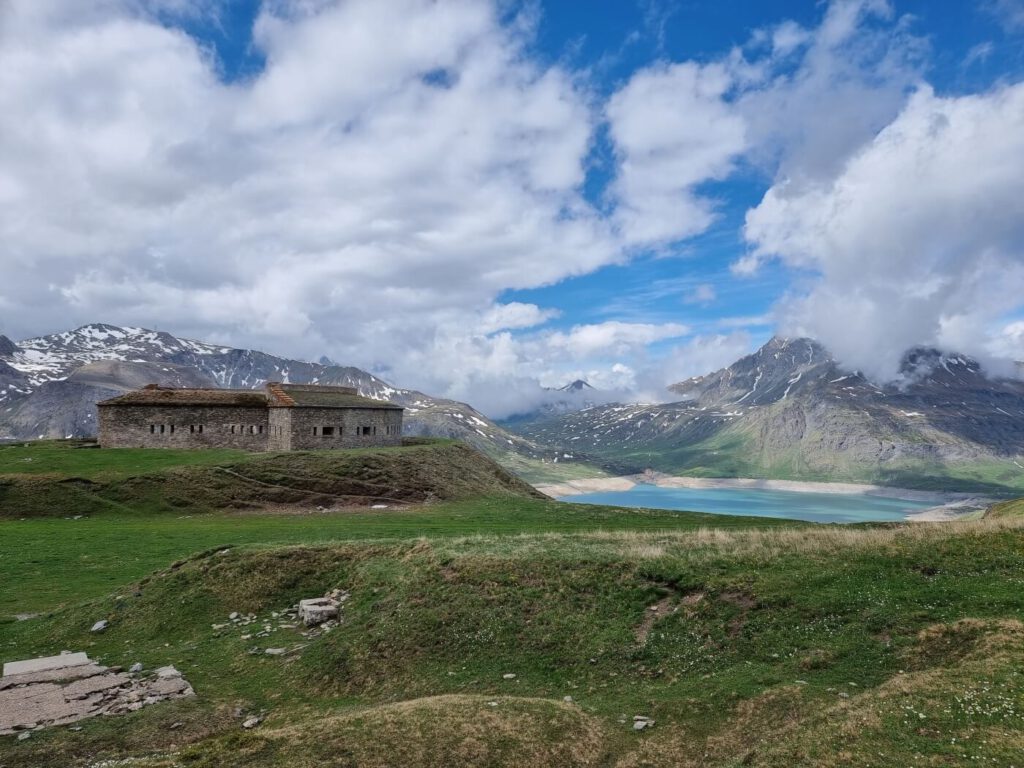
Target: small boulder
(135, 668)
(640, 722)
(252, 722)
(317, 610)
(509, 676)
(275, 651)
(100, 625)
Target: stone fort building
(283, 417)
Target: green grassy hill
(494, 627)
(900, 646)
(61, 478)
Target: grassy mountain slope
(901, 646)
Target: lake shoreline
(947, 505)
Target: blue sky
(483, 197)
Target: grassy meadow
(498, 628)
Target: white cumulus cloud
(918, 240)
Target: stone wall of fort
(318, 428)
(280, 425)
(199, 426)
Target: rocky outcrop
(7, 347)
(58, 690)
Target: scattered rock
(100, 625)
(379, 506)
(509, 676)
(176, 726)
(23, 736)
(167, 673)
(276, 651)
(135, 668)
(233, 616)
(252, 722)
(567, 699)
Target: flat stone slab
(63, 674)
(44, 664)
(48, 694)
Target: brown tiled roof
(177, 396)
(276, 396)
(312, 396)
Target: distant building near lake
(283, 417)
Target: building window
(314, 431)
(152, 429)
(364, 430)
(161, 429)
(327, 431)
(200, 429)
(232, 429)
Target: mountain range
(49, 385)
(791, 411)
(788, 410)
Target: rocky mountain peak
(927, 364)
(779, 369)
(7, 347)
(576, 386)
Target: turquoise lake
(812, 507)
